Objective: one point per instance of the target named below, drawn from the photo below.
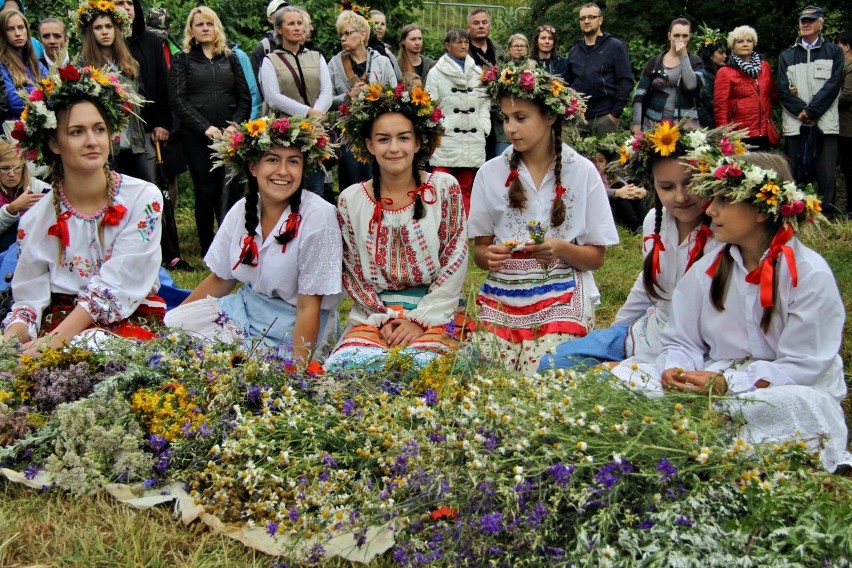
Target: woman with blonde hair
(18, 192)
(208, 91)
(744, 90)
(351, 70)
(19, 65)
(518, 47)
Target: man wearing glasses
(599, 67)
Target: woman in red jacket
(745, 90)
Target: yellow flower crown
(89, 10)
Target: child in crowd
(281, 242)
(404, 236)
(626, 200)
(762, 319)
(541, 222)
(89, 250)
(677, 233)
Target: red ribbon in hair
(60, 229)
(657, 248)
(711, 271)
(424, 190)
(249, 246)
(113, 214)
(291, 228)
(704, 233)
(513, 175)
(765, 272)
(560, 191)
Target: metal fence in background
(438, 17)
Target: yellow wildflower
(256, 127)
(664, 138)
(624, 156)
(374, 91)
(420, 96)
(739, 148)
(556, 87)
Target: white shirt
(311, 265)
(801, 345)
(429, 252)
(110, 276)
(273, 97)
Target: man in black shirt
(485, 53)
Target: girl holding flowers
(404, 235)
(90, 249)
(762, 319)
(542, 292)
(281, 242)
(677, 234)
(103, 27)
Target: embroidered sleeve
(438, 306)
(362, 292)
(131, 268)
(320, 262)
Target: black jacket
(147, 49)
(603, 73)
(208, 92)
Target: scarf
(750, 68)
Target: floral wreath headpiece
(639, 153)
(89, 10)
(707, 37)
(59, 91)
(361, 10)
(356, 119)
(533, 83)
(740, 181)
(251, 139)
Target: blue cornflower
(154, 360)
(492, 523)
(666, 469)
(560, 473)
(151, 482)
(31, 471)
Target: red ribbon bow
(377, 219)
(765, 272)
(658, 247)
(513, 175)
(701, 237)
(113, 214)
(291, 228)
(560, 191)
(424, 190)
(249, 246)
(60, 229)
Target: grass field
(56, 530)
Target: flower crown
(356, 119)
(639, 153)
(361, 10)
(236, 149)
(89, 10)
(533, 83)
(59, 91)
(740, 181)
(706, 37)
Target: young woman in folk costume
(90, 249)
(103, 28)
(677, 234)
(762, 318)
(541, 221)
(281, 241)
(404, 236)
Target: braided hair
(291, 228)
(517, 194)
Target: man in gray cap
(810, 77)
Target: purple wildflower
(666, 469)
(646, 524)
(491, 523)
(293, 515)
(400, 556)
(560, 473)
(323, 476)
(436, 437)
(431, 397)
(253, 395)
(272, 528)
(328, 460)
(684, 521)
(31, 471)
(451, 328)
(221, 319)
(154, 360)
(316, 554)
(151, 482)
(537, 515)
(348, 407)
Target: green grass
(54, 529)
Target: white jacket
(466, 108)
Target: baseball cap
(811, 13)
(274, 5)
